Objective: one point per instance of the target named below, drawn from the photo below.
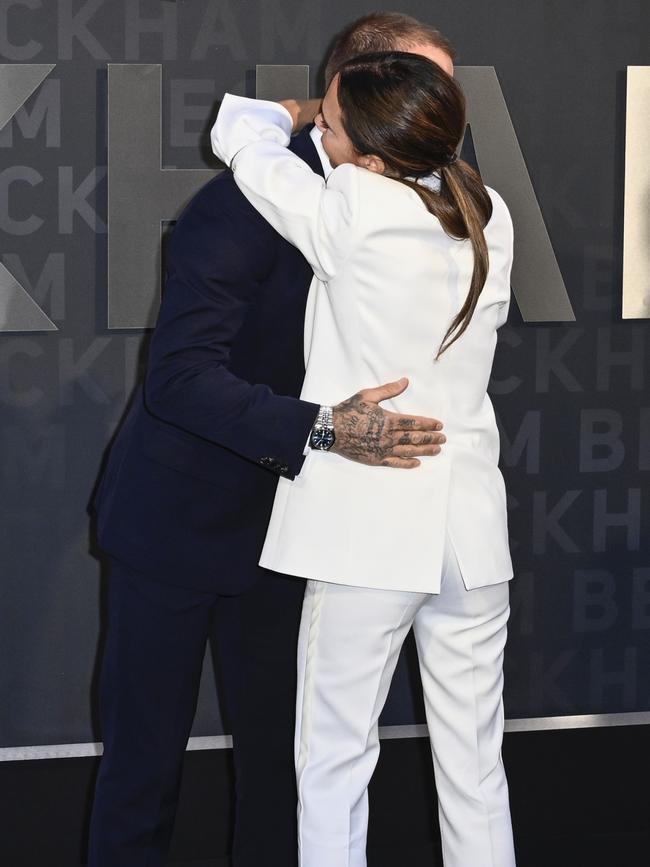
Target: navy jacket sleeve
(220, 252)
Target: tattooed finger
(413, 451)
(401, 463)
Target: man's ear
(373, 163)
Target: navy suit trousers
(155, 646)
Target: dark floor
(579, 798)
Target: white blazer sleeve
(501, 252)
(251, 136)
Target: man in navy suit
(183, 506)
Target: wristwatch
(322, 434)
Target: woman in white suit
(412, 258)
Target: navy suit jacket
(187, 491)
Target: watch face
(322, 439)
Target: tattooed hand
(371, 435)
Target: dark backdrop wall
(571, 398)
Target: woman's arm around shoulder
(318, 217)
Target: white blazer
(388, 282)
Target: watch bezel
(322, 438)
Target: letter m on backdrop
(18, 310)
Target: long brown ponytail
(463, 207)
(405, 109)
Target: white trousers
(350, 639)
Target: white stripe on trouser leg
(306, 662)
(353, 642)
(460, 637)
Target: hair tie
(452, 159)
